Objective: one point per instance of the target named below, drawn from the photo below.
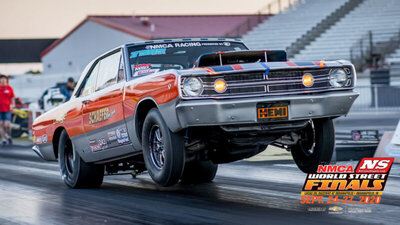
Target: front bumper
(212, 112)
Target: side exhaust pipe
(36, 149)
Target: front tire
(163, 150)
(197, 172)
(74, 171)
(315, 146)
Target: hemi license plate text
(272, 111)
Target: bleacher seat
(281, 30)
(380, 17)
(394, 58)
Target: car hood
(261, 66)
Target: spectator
(65, 90)
(69, 89)
(7, 101)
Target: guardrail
(377, 98)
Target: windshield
(151, 58)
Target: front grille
(275, 82)
(295, 74)
(237, 90)
(236, 77)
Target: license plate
(277, 111)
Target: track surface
(31, 192)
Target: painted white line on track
(25, 169)
(44, 163)
(286, 165)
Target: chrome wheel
(156, 145)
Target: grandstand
(338, 29)
(380, 17)
(281, 30)
(395, 57)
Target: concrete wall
(83, 45)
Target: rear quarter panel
(67, 116)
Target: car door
(103, 116)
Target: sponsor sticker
(145, 72)
(103, 143)
(112, 136)
(97, 145)
(174, 45)
(122, 136)
(121, 133)
(39, 140)
(44, 138)
(123, 140)
(142, 66)
(136, 54)
(94, 146)
(100, 115)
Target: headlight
(337, 78)
(192, 86)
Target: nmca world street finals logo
(369, 178)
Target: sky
(55, 18)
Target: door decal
(100, 115)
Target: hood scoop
(240, 57)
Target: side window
(90, 83)
(108, 71)
(121, 70)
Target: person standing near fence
(7, 101)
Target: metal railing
(366, 52)
(361, 51)
(377, 98)
(321, 27)
(243, 28)
(278, 6)
(274, 7)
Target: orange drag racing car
(178, 108)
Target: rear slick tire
(316, 145)
(74, 171)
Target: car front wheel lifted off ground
(74, 171)
(163, 150)
(316, 145)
